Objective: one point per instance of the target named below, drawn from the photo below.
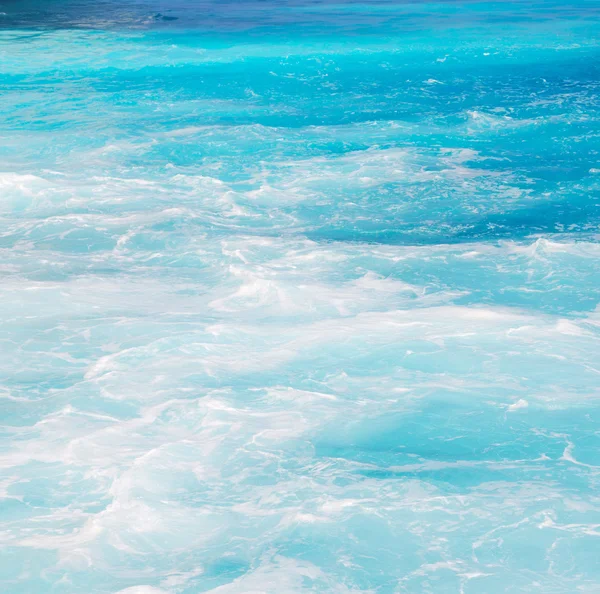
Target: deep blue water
(299, 297)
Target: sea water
(299, 297)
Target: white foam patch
(142, 590)
(519, 404)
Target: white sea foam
(142, 590)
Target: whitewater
(299, 297)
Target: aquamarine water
(299, 297)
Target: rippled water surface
(299, 297)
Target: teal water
(299, 297)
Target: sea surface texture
(299, 297)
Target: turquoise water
(299, 297)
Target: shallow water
(299, 297)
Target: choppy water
(299, 297)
